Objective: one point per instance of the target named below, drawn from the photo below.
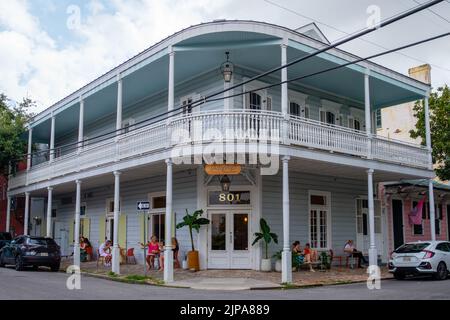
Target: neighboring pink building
(399, 198)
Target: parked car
(26, 251)
(418, 258)
(5, 238)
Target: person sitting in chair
(298, 253)
(175, 249)
(310, 256)
(350, 249)
(105, 251)
(153, 251)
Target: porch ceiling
(342, 171)
(256, 51)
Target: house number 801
(229, 197)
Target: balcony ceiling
(255, 51)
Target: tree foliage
(439, 104)
(266, 236)
(193, 222)
(12, 126)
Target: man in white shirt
(350, 249)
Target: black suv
(5, 238)
(31, 251)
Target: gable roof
(313, 31)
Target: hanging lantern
(225, 182)
(227, 69)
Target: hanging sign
(223, 169)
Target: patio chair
(130, 256)
(100, 259)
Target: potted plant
(193, 222)
(267, 237)
(278, 258)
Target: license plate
(43, 254)
(407, 259)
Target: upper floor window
(127, 125)
(294, 109)
(255, 101)
(186, 103)
(378, 119)
(327, 117)
(354, 123)
(110, 206)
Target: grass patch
(136, 277)
(113, 274)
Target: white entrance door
(362, 235)
(229, 241)
(110, 229)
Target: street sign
(143, 205)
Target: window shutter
(123, 231)
(351, 123)
(101, 229)
(71, 232)
(86, 228)
(306, 112)
(323, 116)
(269, 104)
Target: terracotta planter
(193, 261)
(266, 265)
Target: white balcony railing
(235, 125)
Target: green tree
(439, 104)
(12, 126)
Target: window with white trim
(354, 123)
(327, 117)
(269, 103)
(127, 125)
(417, 229)
(319, 220)
(110, 206)
(157, 215)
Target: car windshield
(41, 241)
(412, 247)
(5, 236)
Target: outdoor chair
(130, 256)
(100, 259)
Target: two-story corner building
(111, 144)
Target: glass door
(229, 246)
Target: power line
(243, 93)
(199, 102)
(361, 39)
(434, 12)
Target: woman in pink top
(153, 251)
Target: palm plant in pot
(266, 236)
(193, 221)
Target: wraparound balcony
(224, 126)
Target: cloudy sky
(50, 48)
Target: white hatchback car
(426, 257)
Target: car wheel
(1, 261)
(19, 263)
(35, 268)
(441, 272)
(399, 275)
(55, 268)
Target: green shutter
(43, 227)
(101, 230)
(71, 231)
(123, 231)
(87, 228)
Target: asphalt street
(44, 285)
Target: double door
(229, 244)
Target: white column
(168, 252)
(286, 272)
(81, 126)
(284, 94)
(432, 211)
(171, 90)
(49, 211)
(27, 213)
(368, 112)
(52, 140)
(76, 233)
(428, 132)
(373, 255)
(116, 249)
(119, 105)
(8, 214)
(30, 144)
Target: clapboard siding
(184, 197)
(343, 195)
